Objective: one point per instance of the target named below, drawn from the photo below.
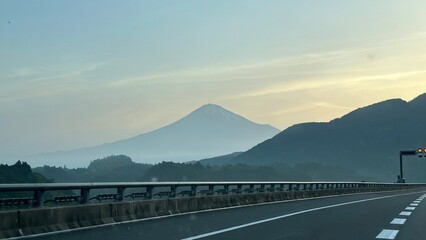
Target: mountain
(109, 169)
(219, 160)
(206, 132)
(20, 172)
(367, 140)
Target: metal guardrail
(186, 189)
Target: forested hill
(367, 140)
(20, 172)
(121, 168)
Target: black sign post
(403, 153)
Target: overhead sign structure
(420, 152)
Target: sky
(85, 72)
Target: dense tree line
(20, 172)
(169, 171)
(122, 168)
(115, 168)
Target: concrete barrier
(33, 221)
(42, 220)
(9, 224)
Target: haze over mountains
(367, 140)
(206, 132)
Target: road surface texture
(387, 215)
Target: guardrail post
(251, 187)
(84, 193)
(226, 187)
(305, 187)
(211, 189)
(120, 192)
(193, 190)
(38, 198)
(149, 192)
(272, 187)
(173, 191)
(240, 188)
(290, 187)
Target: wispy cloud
(389, 76)
(44, 81)
(41, 73)
(338, 82)
(24, 96)
(242, 71)
(267, 68)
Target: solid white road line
(404, 213)
(387, 234)
(399, 221)
(285, 216)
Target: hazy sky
(84, 72)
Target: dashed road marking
(390, 235)
(404, 213)
(387, 234)
(399, 221)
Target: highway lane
(360, 216)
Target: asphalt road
(360, 216)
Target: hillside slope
(367, 140)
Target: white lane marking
(404, 213)
(398, 221)
(410, 208)
(284, 216)
(416, 201)
(387, 234)
(414, 204)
